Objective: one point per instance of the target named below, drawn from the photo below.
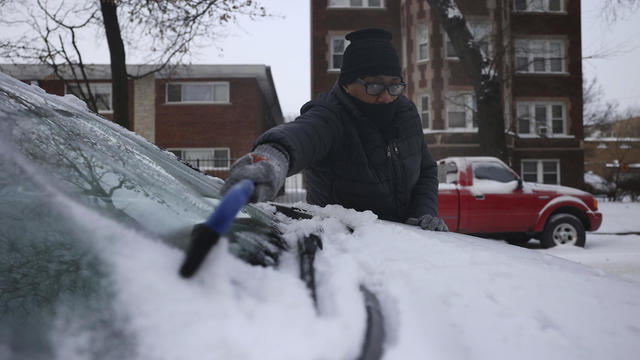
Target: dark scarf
(381, 115)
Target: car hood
(453, 296)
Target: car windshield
(72, 184)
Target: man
(360, 146)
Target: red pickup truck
(483, 196)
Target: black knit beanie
(370, 53)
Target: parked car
(93, 215)
(95, 220)
(483, 196)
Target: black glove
(266, 166)
(428, 222)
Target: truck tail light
(595, 204)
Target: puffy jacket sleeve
(425, 193)
(307, 139)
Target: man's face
(358, 90)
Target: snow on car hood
(77, 282)
(452, 296)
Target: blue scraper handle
(231, 203)
(206, 235)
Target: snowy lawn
(606, 250)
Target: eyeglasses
(375, 89)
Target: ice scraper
(206, 235)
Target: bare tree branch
(618, 10)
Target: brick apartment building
(206, 114)
(534, 44)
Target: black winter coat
(349, 161)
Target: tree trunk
(486, 85)
(119, 85)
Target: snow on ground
(619, 217)
(615, 254)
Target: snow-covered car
(95, 220)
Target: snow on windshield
(88, 155)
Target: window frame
(534, 124)
(425, 42)
(545, 7)
(184, 150)
(212, 83)
(446, 42)
(421, 110)
(365, 5)
(93, 86)
(507, 113)
(470, 106)
(331, 67)
(547, 57)
(540, 170)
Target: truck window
(493, 171)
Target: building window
(481, 32)
(101, 93)
(539, 5)
(422, 42)
(541, 118)
(507, 113)
(205, 158)
(356, 3)
(461, 110)
(198, 92)
(540, 56)
(541, 171)
(338, 45)
(425, 111)
(449, 50)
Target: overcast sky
(282, 42)
(618, 74)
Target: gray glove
(428, 222)
(266, 166)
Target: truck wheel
(563, 229)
